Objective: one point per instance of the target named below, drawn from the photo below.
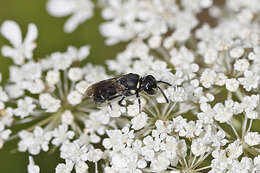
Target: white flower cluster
(208, 51)
(148, 20)
(80, 11)
(50, 91)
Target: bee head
(149, 84)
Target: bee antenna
(163, 94)
(159, 81)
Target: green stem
(234, 130)
(45, 121)
(239, 95)
(251, 150)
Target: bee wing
(113, 82)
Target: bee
(124, 86)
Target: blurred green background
(51, 38)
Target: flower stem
(200, 169)
(234, 130)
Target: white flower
(246, 164)
(96, 125)
(245, 16)
(133, 110)
(211, 56)
(35, 87)
(251, 114)
(82, 86)
(61, 135)
(170, 146)
(64, 168)
(249, 103)
(141, 164)
(192, 129)
(4, 134)
(21, 50)
(236, 52)
(16, 74)
(119, 161)
(58, 61)
(75, 74)
(179, 123)
(78, 54)
(81, 167)
(232, 85)
(220, 79)
(3, 95)
(217, 137)
(252, 138)
(34, 142)
(160, 163)
(155, 41)
(49, 103)
(250, 80)
(14, 91)
(182, 56)
(97, 121)
(77, 153)
(32, 168)
(95, 155)
(116, 110)
(67, 117)
(31, 71)
(117, 140)
(115, 33)
(257, 163)
(81, 10)
(139, 121)
(234, 150)
(224, 113)
(25, 107)
(198, 147)
(177, 94)
(94, 73)
(162, 128)
(7, 116)
(208, 113)
(74, 97)
(241, 65)
(151, 146)
(208, 78)
(220, 161)
(53, 77)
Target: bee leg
(110, 105)
(159, 81)
(121, 104)
(166, 99)
(139, 101)
(113, 97)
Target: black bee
(124, 86)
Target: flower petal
(31, 34)
(11, 31)
(72, 23)
(9, 51)
(60, 8)
(83, 52)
